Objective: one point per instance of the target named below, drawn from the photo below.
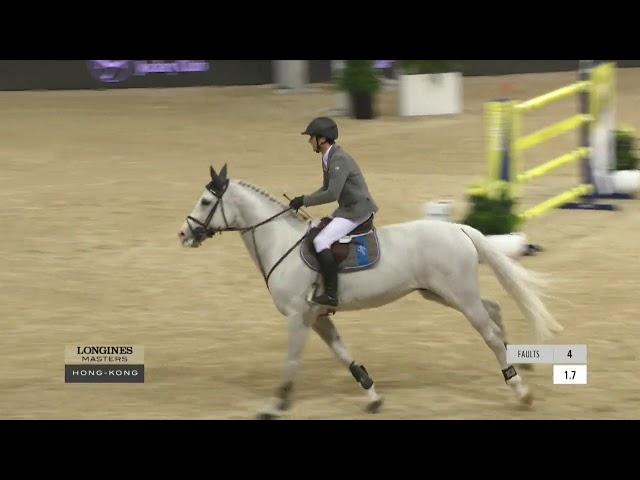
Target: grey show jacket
(343, 181)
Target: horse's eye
(205, 202)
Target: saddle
(359, 250)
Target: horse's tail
(524, 286)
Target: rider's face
(314, 144)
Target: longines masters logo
(103, 364)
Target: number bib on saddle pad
(360, 253)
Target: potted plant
(493, 216)
(626, 178)
(429, 87)
(360, 79)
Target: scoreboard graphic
(569, 361)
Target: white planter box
(512, 245)
(438, 210)
(626, 181)
(430, 94)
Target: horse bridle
(204, 231)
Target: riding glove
(297, 202)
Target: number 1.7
(570, 375)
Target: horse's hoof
(375, 406)
(267, 416)
(527, 398)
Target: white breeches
(334, 231)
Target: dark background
(75, 74)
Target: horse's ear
(223, 173)
(213, 173)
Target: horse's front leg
(299, 327)
(324, 327)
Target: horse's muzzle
(199, 234)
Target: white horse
(439, 260)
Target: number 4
(569, 354)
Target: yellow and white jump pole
(506, 145)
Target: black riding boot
(329, 270)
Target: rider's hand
(297, 202)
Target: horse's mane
(267, 195)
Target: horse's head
(209, 216)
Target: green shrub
(492, 216)
(359, 76)
(625, 150)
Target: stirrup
(325, 300)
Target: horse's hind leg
(495, 313)
(485, 317)
(480, 319)
(492, 308)
(325, 328)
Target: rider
(344, 182)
